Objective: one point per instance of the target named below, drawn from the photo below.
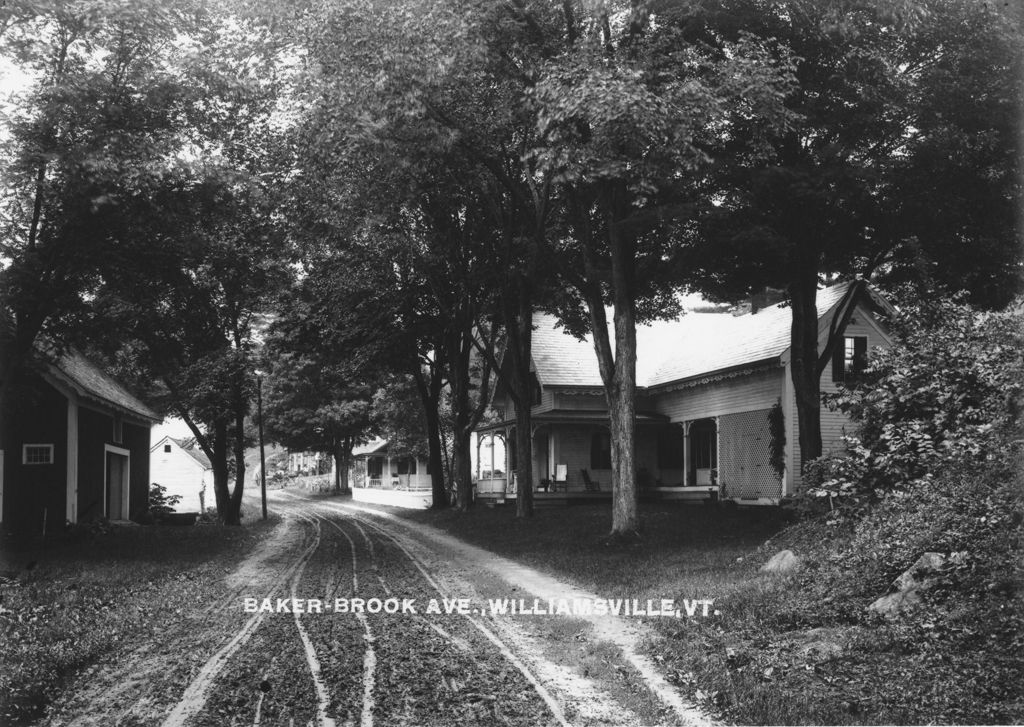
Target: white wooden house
(714, 402)
(182, 467)
(388, 477)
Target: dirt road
(347, 617)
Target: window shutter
(838, 360)
(860, 354)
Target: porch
(384, 479)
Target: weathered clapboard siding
(547, 401)
(834, 424)
(760, 390)
(586, 400)
(572, 448)
(182, 475)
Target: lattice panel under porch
(744, 465)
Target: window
(37, 454)
(375, 467)
(601, 451)
(118, 434)
(167, 448)
(850, 358)
(407, 466)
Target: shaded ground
(181, 649)
(786, 650)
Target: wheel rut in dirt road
(438, 550)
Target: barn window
(601, 451)
(37, 454)
(167, 448)
(850, 358)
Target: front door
(703, 452)
(117, 486)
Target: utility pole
(263, 461)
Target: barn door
(116, 495)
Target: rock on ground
(905, 590)
(782, 562)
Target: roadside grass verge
(785, 649)
(90, 593)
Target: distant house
(185, 470)
(715, 408)
(79, 450)
(309, 463)
(389, 477)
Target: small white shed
(182, 467)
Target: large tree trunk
(430, 397)
(234, 514)
(524, 461)
(520, 335)
(459, 381)
(622, 415)
(342, 464)
(803, 293)
(219, 462)
(618, 370)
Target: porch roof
(375, 446)
(574, 416)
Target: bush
(948, 394)
(160, 503)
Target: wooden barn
(184, 470)
(716, 412)
(78, 450)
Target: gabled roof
(696, 344)
(375, 446)
(89, 381)
(188, 446)
(702, 343)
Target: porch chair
(592, 485)
(561, 478)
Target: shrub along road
(331, 621)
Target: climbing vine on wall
(777, 429)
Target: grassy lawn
(784, 650)
(68, 603)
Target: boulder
(906, 590)
(823, 643)
(782, 562)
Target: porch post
(686, 453)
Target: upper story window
(850, 358)
(37, 454)
(167, 448)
